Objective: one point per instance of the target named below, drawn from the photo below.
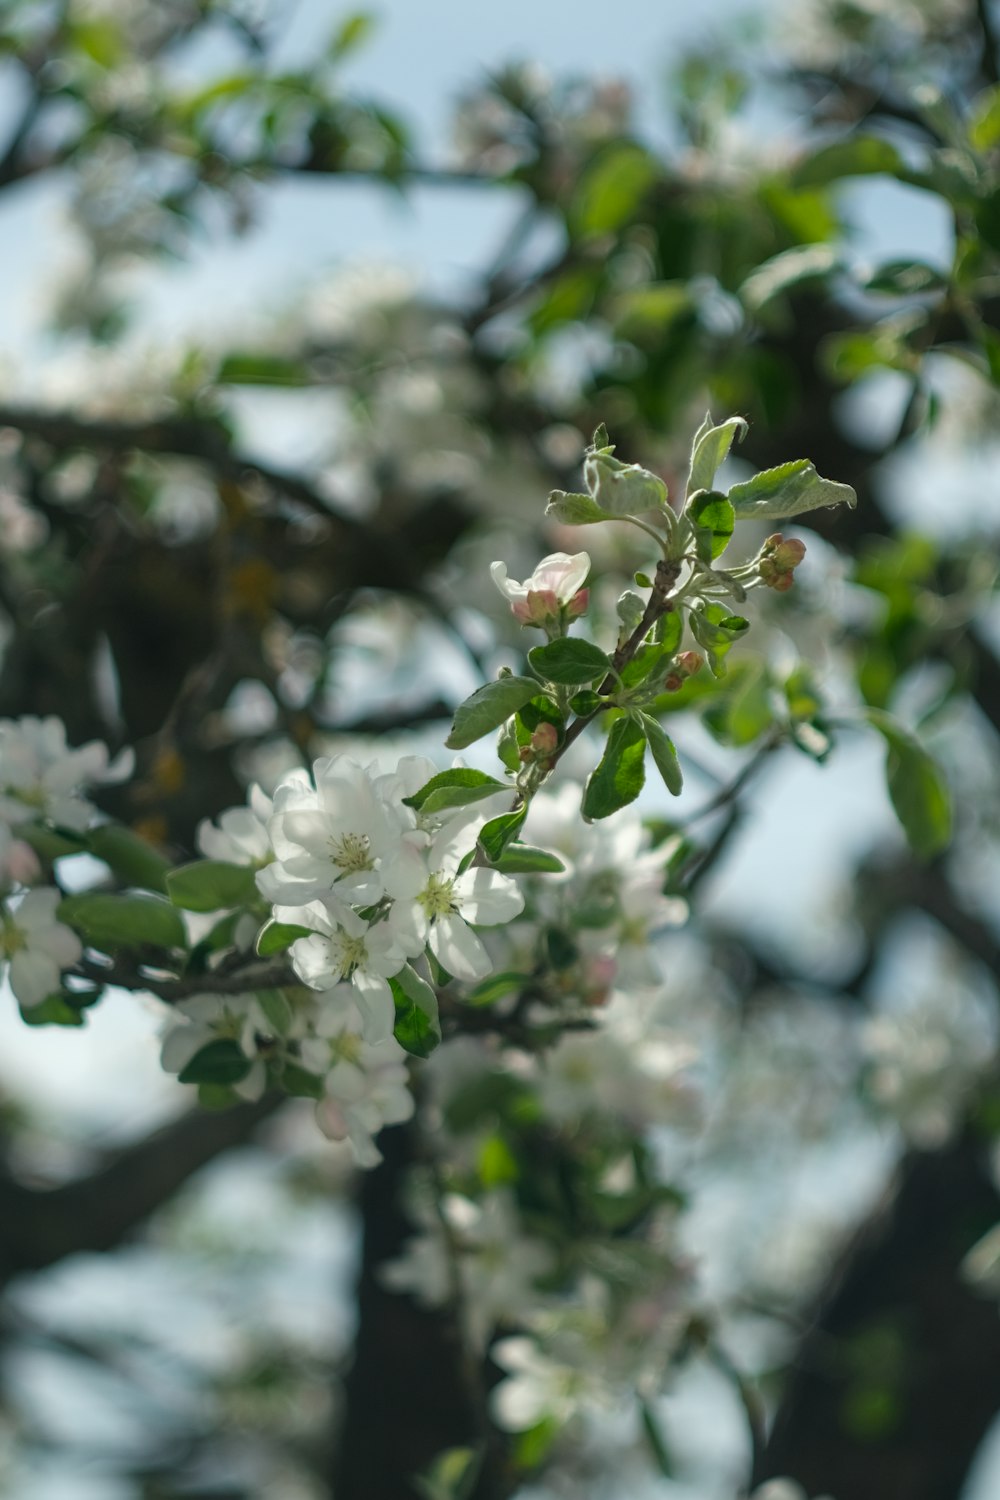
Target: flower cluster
(368, 885)
(42, 781)
(375, 884)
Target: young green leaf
(569, 662)
(573, 510)
(619, 775)
(498, 832)
(917, 789)
(788, 490)
(455, 788)
(715, 630)
(487, 708)
(278, 937)
(714, 518)
(211, 885)
(525, 859)
(418, 1027)
(490, 990)
(711, 448)
(788, 269)
(664, 754)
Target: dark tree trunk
(897, 1383)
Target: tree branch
(43, 1225)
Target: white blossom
(239, 836)
(330, 836)
(40, 776)
(366, 1088)
(437, 904)
(496, 1262)
(204, 1019)
(343, 946)
(36, 945)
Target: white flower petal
(487, 897)
(456, 947)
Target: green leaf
(487, 708)
(716, 631)
(54, 1010)
(110, 921)
(787, 270)
(299, 1083)
(749, 708)
(859, 156)
(623, 489)
(220, 1062)
(489, 991)
(711, 448)
(586, 703)
(987, 216)
(418, 1026)
(50, 844)
(644, 314)
(130, 857)
(277, 1010)
(619, 775)
(211, 885)
(668, 631)
(648, 660)
(664, 754)
(656, 1441)
(216, 1096)
(525, 859)
(278, 937)
(713, 515)
(612, 187)
(573, 510)
(455, 788)
(569, 662)
(262, 369)
(905, 278)
(788, 490)
(508, 747)
(540, 710)
(451, 1476)
(984, 119)
(917, 789)
(351, 34)
(498, 832)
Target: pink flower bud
(22, 863)
(779, 557)
(690, 662)
(554, 587)
(539, 607)
(545, 739)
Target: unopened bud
(22, 863)
(779, 557)
(690, 662)
(685, 666)
(578, 604)
(545, 739)
(539, 608)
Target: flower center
(437, 899)
(347, 953)
(352, 852)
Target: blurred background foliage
(239, 546)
